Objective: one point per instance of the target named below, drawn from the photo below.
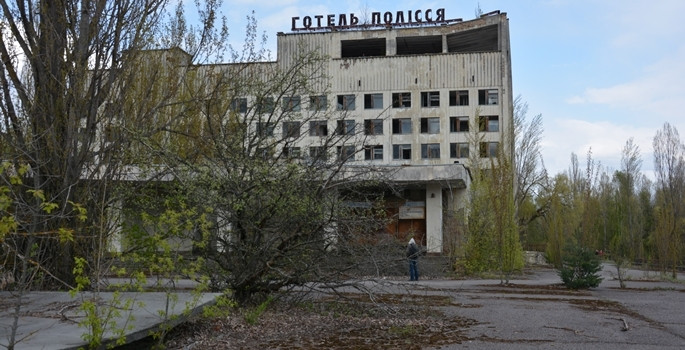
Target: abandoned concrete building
(432, 81)
(414, 90)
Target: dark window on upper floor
(459, 98)
(373, 101)
(488, 97)
(430, 99)
(346, 103)
(401, 100)
(362, 48)
(419, 45)
(459, 124)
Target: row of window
(371, 101)
(399, 152)
(429, 125)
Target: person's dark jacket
(412, 251)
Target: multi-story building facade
(411, 95)
(416, 90)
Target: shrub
(580, 268)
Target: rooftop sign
(345, 21)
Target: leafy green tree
(669, 228)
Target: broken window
(346, 102)
(475, 40)
(430, 125)
(419, 45)
(401, 100)
(362, 48)
(291, 129)
(430, 99)
(318, 153)
(373, 152)
(430, 150)
(401, 126)
(292, 152)
(373, 127)
(488, 123)
(345, 153)
(459, 124)
(459, 98)
(345, 127)
(402, 151)
(239, 105)
(459, 150)
(291, 104)
(318, 103)
(318, 128)
(488, 97)
(373, 101)
(265, 129)
(488, 149)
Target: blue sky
(599, 71)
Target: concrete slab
(50, 320)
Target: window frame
(428, 151)
(346, 102)
(371, 126)
(346, 152)
(318, 128)
(371, 101)
(459, 150)
(485, 97)
(398, 126)
(460, 124)
(398, 151)
(427, 123)
(486, 123)
(318, 102)
(291, 129)
(401, 100)
(345, 127)
(459, 97)
(430, 99)
(292, 103)
(373, 152)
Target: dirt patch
(389, 321)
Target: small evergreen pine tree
(580, 269)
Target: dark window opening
(401, 100)
(430, 125)
(346, 103)
(430, 99)
(362, 48)
(475, 40)
(488, 97)
(419, 45)
(345, 153)
(318, 128)
(459, 98)
(459, 124)
(373, 101)
(401, 151)
(401, 126)
(488, 123)
(345, 127)
(373, 127)
(374, 152)
(459, 150)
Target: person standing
(413, 256)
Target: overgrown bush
(580, 268)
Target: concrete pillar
(434, 218)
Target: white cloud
(605, 139)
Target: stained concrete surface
(50, 320)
